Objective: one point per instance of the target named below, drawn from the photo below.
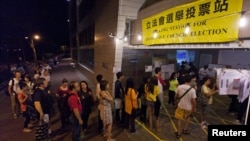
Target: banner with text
(206, 20)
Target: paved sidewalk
(11, 129)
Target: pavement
(11, 129)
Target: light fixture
(125, 39)
(139, 37)
(243, 20)
(155, 34)
(187, 28)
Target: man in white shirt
(13, 89)
(186, 106)
(203, 72)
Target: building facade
(108, 36)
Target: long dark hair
(86, 84)
(172, 76)
(152, 82)
(129, 84)
(103, 85)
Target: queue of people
(75, 101)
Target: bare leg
(109, 130)
(179, 126)
(186, 124)
(150, 112)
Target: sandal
(177, 135)
(185, 132)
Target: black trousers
(129, 122)
(64, 114)
(85, 118)
(143, 113)
(118, 117)
(171, 95)
(234, 105)
(242, 109)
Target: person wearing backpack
(13, 89)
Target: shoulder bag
(177, 100)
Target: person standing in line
(106, 112)
(130, 103)
(173, 84)
(160, 82)
(157, 104)
(62, 94)
(23, 98)
(206, 100)
(119, 98)
(203, 72)
(142, 95)
(186, 106)
(152, 91)
(30, 87)
(87, 101)
(75, 105)
(99, 78)
(13, 89)
(42, 101)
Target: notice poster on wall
(148, 68)
(169, 68)
(229, 81)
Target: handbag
(177, 100)
(135, 111)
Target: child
(22, 98)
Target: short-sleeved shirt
(173, 85)
(16, 87)
(185, 102)
(206, 89)
(74, 102)
(43, 97)
(118, 89)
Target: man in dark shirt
(41, 98)
(119, 98)
(42, 102)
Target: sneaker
(26, 130)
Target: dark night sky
(48, 18)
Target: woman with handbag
(131, 105)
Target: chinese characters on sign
(205, 18)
